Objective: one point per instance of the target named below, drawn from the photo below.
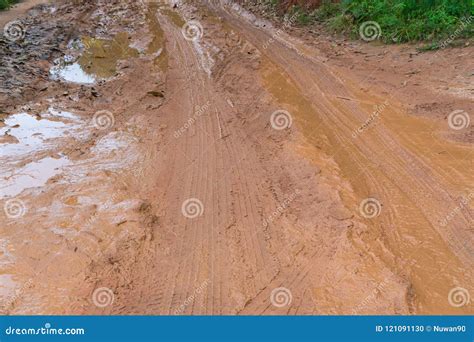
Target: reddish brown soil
(278, 210)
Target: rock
(156, 93)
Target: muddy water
(75, 210)
(32, 175)
(26, 138)
(416, 251)
(173, 15)
(97, 59)
(31, 133)
(101, 55)
(157, 46)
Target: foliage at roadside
(399, 20)
(4, 4)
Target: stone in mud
(156, 93)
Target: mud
(144, 171)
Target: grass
(435, 21)
(5, 4)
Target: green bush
(327, 10)
(341, 23)
(301, 15)
(399, 20)
(411, 20)
(4, 4)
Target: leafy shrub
(411, 20)
(301, 15)
(4, 4)
(328, 9)
(400, 20)
(341, 23)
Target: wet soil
(114, 119)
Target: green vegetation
(299, 15)
(4, 4)
(437, 21)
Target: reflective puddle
(72, 73)
(32, 175)
(24, 133)
(92, 59)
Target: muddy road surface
(194, 158)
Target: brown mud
(122, 122)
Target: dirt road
(197, 159)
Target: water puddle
(72, 73)
(157, 45)
(100, 56)
(92, 59)
(24, 133)
(174, 16)
(34, 174)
